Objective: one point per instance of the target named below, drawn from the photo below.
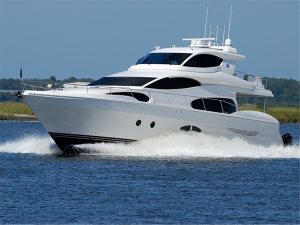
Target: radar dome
(228, 42)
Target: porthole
(152, 124)
(138, 122)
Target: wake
(31, 144)
(167, 145)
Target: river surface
(172, 178)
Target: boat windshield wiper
(146, 60)
(171, 60)
(139, 60)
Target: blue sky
(91, 39)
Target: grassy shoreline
(18, 112)
(283, 115)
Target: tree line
(285, 91)
(15, 84)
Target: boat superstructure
(192, 88)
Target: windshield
(164, 58)
(122, 81)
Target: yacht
(177, 89)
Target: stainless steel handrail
(34, 87)
(151, 100)
(256, 77)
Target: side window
(204, 61)
(122, 81)
(215, 105)
(174, 83)
(139, 96)
(164, 58)
(198, 104)
(228, 105)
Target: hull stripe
(64, 140)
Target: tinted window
(186, 128)
(164, 58)
(122, 81)
(196, 129)
(138, 96)
(228, 105)
(204, 60)
(214, 105)
(174, 83)
(198, 104)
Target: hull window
(204, 61)
(196, 129)
(164, 58)
(138, 96)
(221, 105)
(138, 123)
(186, 128)
(122, 81)
(174, 83)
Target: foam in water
(31, 144)
(193, 145)
(167, 145)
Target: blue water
(172, 178)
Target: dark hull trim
(66, 141)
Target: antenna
(206, 22)
(217, 36)
(223, 35)
(229, 21)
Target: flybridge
(207, 43)
(199, 42)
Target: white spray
(180, 144)
(193, 145)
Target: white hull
(75, 120)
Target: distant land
(285, 91)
